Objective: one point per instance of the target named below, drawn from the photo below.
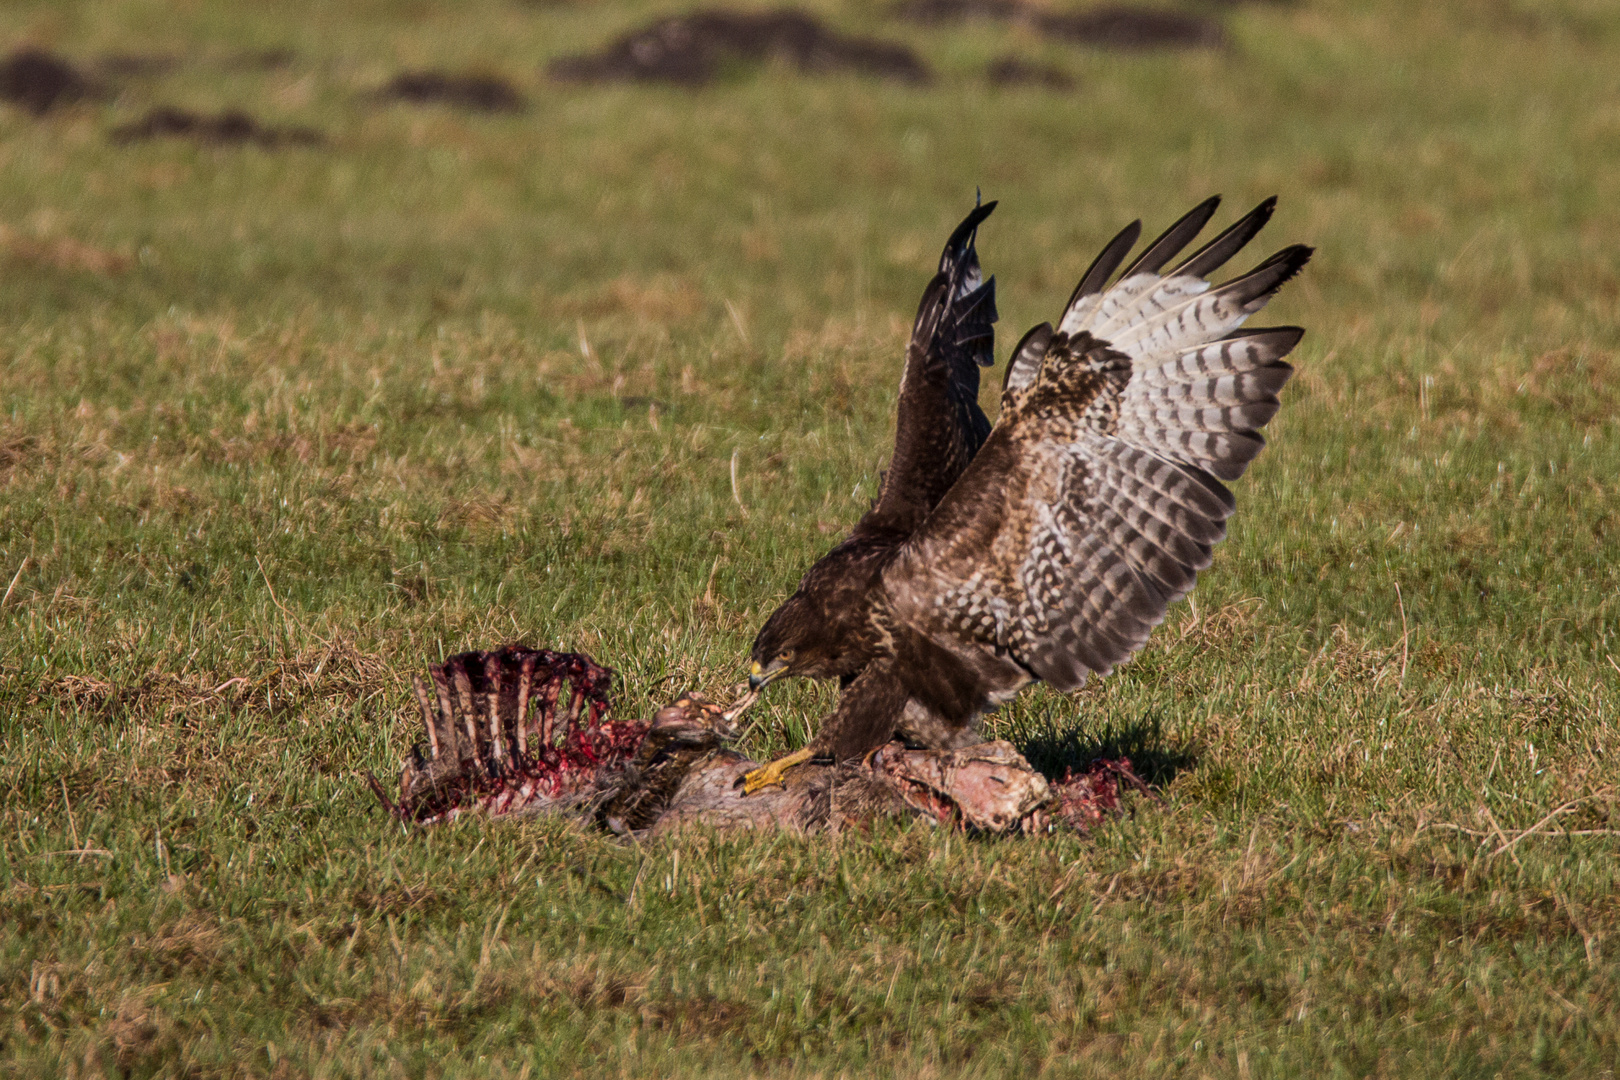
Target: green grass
(279, 427)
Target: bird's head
(790, 643)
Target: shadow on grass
(1154, 756)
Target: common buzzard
(1048, 546)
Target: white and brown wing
(1097, 497)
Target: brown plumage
(1049, 546)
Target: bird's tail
(1198, 388)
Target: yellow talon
(771, 774)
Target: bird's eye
(785, 654)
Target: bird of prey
(1049, 546)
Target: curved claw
(772, 774)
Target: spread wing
(1098, 496)
(940, 425)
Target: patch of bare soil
(143, 65)
(475, 93)
(695, 49)
(16, 451)
(61, 253)
(131, 65)
(661, 299)
(272, 59)
(1016, 71)
(36, 80)
(1109, 26)
(229, 128)
(943, 11)
(1120, 27)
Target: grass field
(279, 426)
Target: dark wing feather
(1097, 498)
(1176, 237)
(1213, 255)
(1103, 266)
(940, 425)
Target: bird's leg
(772, 774)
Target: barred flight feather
(1251, 388)
(1188, 535)
(1024, 366)
(1196, 493)
(1215, 254)
(1223, 454)
(1173, 239)
(1117, 306)
(1088, 293)
(1154, 326)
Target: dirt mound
(943, 11)
(475, 93)
(229, 128)
(59, 253)
(1114, 27)
(1016, 71)
(37, 81)
(272, 59)
(133, 65)
(1111, 26)
(694, 49)
(146, 65)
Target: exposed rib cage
(496, 737)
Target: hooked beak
(761, 676)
